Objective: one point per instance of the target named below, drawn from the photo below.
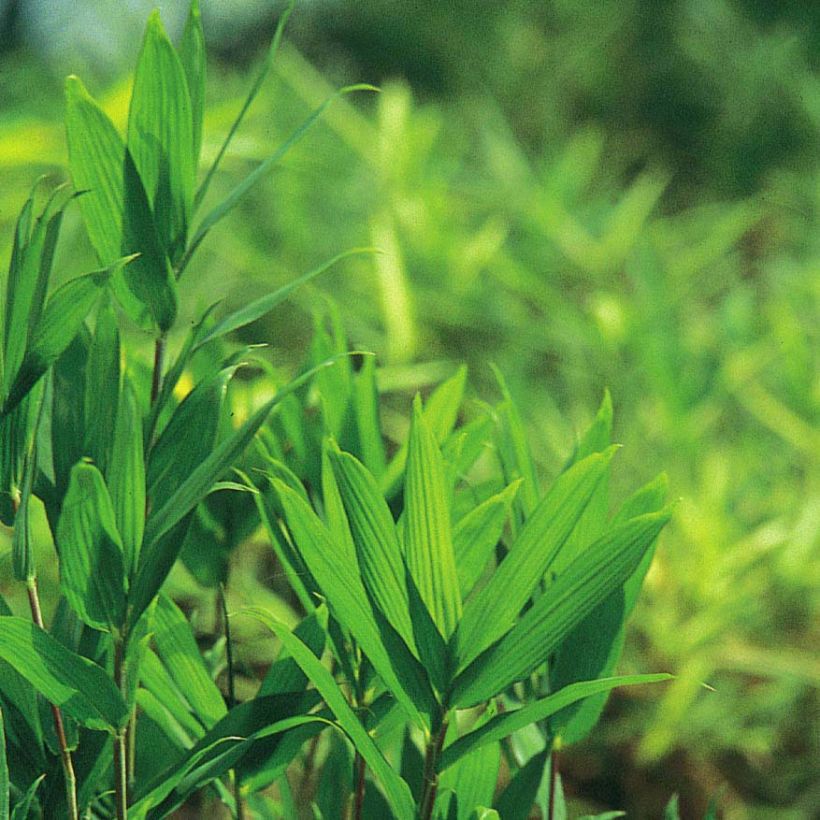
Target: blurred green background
(621, 194)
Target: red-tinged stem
(358, 802)
(56, 714)
(430, 788)
(553, 784)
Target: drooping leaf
(191, 51)
(92, 571)
(161, 138)
(504, 724)
(428, 539)
(116, 211)
(602, 568)
(395, 789)
(477, 533)
(77, 685)
(491, 612)
(126, 476)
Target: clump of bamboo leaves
(455, 614)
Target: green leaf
(491, 612)
(22, 553)
(476, 535)
(77, 685)
(259, 307)
(102, 386)
(161, 138)
(177, 453)
(23, 806)
(473, 779)
(368, 426)
(61, 321)
(103, 168)
(27, 283)
(396, 790)
(514, 450)
(440, 412)
(377, 543)
(257, 85)
(192, 56)
(126, 476)
(229, 203)
(179, 651)
(160, 552)
(506, 723)
(428, 539)
(603, 567)
(92, 572)
(337, 575)
(517, 799)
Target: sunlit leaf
(491, 612)
(192, 56)
(160, 136)
(602, 568)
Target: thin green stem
(121, 764)
(430, 776)
(56, 714)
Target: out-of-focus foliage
(620, 193)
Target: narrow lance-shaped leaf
(395, 789)
(257, 85)
(377, 543)
(78, 686)
(102, 385)
(339, 580)
(495, 608)
(503, 725)
(219, 212)
(191, 51)
(476, 535)
(603, 567)
(428, 539)
(61, 321)
(92, 572)
(103, 168)
(441, 412)
(126, 476)
(368, 426)
(159, 554)
(259, 307)
(160, 136)
(29, 273)
(178, 649)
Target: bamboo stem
(430, 788)
(121, 764)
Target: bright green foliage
(429, 572)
